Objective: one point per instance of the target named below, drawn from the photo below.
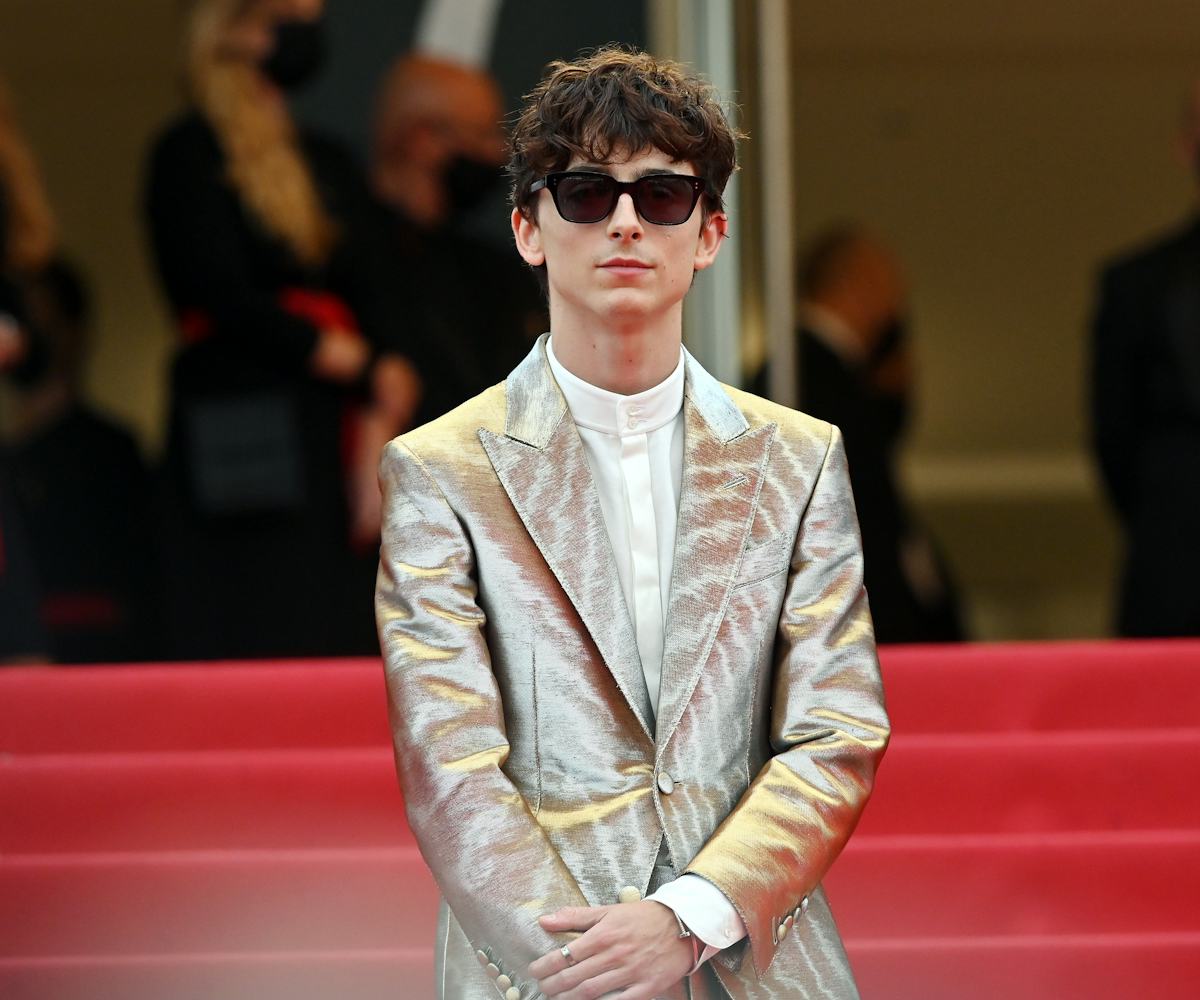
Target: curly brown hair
(618, 101)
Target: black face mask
(298, 53)
(469, 181)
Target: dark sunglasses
(662, 199)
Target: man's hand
(634, 948)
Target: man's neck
(622, 359)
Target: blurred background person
(438, 151)
(82, 489)
(27, 238)
(1146, 415)
(280, 399)
(855, 370)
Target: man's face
(621, 270)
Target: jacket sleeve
(828, 727)
(490, 858)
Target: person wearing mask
(855, 370)
(280, 393)
(27, 242)
(1145, 408)
(438, 152)
(83, 491)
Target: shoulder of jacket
(1150, 254)
(454, 436)
(794, 426)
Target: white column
(701, 34)
(777, 227)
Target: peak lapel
(542, 466)
(723, 465)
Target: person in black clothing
(280, 398)
(21, 633)
(438, 152)
(1146, 417)
(27, 240)
(855, 371)
(82, 490)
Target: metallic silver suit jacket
(534, 773)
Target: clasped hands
(629, 949)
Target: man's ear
(708, 243)
(528, 238)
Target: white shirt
(634, 448)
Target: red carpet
(235, 831)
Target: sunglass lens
(666, 201)
(584, 199)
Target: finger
(555, 961)
(550, 963)
(616, 982)
(573, 918)
(569, 981)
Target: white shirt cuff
(706, 910)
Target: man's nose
(625, 223)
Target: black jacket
(1146, 425)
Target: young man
(632, 678)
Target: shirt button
(665, 784)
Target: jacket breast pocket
(763, 561)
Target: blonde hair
(259, 140)
(31, 230)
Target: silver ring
(565, 951)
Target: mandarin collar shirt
(634, 449)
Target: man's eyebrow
(606, 168)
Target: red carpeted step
(327, 798)
(1043, 686)
(254, 705)
(215, 902)
(341, 703)
(996, 885)
(1063, 967)
(880, 888)
(404, 973)
(1030, 782)
(1163, 966)
(218, 799)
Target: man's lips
(626, 265)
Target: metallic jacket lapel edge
(723, 467)
(541, 463)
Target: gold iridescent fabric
(532, 769)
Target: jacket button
(665, 784)
(783, 929)
(804, 905)
(482, 957)
(493, 970)
(503, 982)
(630, 894)
(512, 994)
